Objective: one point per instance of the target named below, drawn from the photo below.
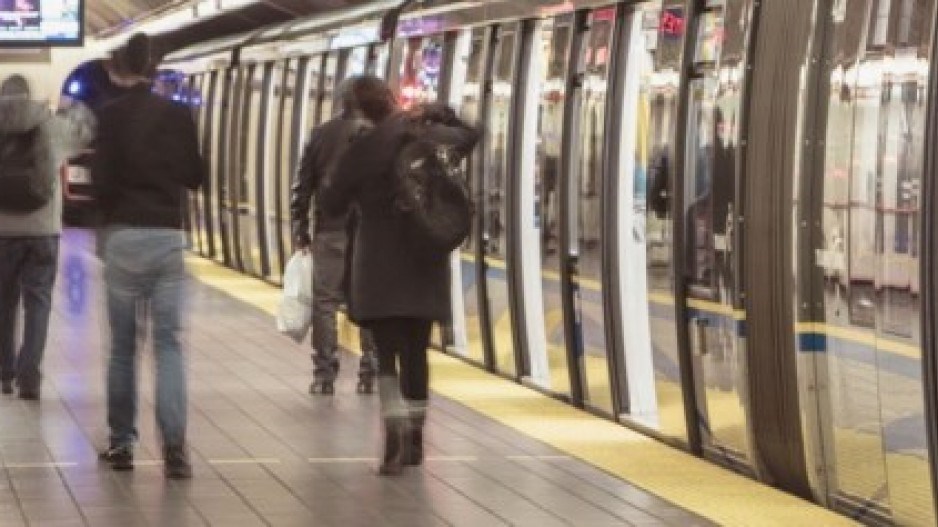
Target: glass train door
(539, 202)
(715, 314)
(218, 110)
(584, 218)
(249, 207)
(866, 355)
(654, 393)
(473, 49)
(494, 207)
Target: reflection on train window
(313, 95)
(469, 109)
(495, 205)
(869, 258)
(357, 62)
(554, 41)
(420, 69)
(327, 108)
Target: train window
(420, 69)
(327, 108)
(867, 257)
(472, 54)
(494, 206)
(288, 146)
(547, 346)
(310, 107)
(357, 62)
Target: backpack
(23, 185)
(431, 194)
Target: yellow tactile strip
(680, 478)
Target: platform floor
(265, 452)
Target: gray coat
(390, 275)
(60, 136)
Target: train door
(249, 206)
(215, 132)
(268, 174)
(651, 371)
(494, 207)
(539, 202)
(198, 86)
(585, 235)
(228, 98)
(193, 220)
(714, 312)
(865, 353)
(208, 133)
(288, 150)
(472, 51)
(327, 101)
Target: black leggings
(406, 340)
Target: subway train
(707, 220)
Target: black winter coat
(147, 154)
(390, 276)
(327, 143)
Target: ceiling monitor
(41, 23)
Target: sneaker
(120, 457)
(6, 387)
(176, 463)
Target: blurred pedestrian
(397, 289)
(146, 157)
(34, 144)
(330, 242)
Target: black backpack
(23, 185)
(432, 195)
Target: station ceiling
(104, 18)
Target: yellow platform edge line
(676, 476)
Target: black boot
(395, 443)
(415, 452)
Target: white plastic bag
(296, 304)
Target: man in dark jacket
(146, 157)
(330, 242)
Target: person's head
(133, 62)
(368, 96)
(15, 87)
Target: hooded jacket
(60, 137)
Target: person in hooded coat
(29, 242)
(396, 289)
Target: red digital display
(672, 23)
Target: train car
(707, 220)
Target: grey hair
(15, 86)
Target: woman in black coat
(396, 289)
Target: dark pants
(404, 341)
(329, 267)
(27, 270)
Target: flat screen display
(41, 22)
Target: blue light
(176, 97)
(74, 87)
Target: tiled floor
(267, 453)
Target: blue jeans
(27, 271)
(144, 272)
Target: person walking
(146, 157)
(398, 290)
(330, 243)
(34, 144)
